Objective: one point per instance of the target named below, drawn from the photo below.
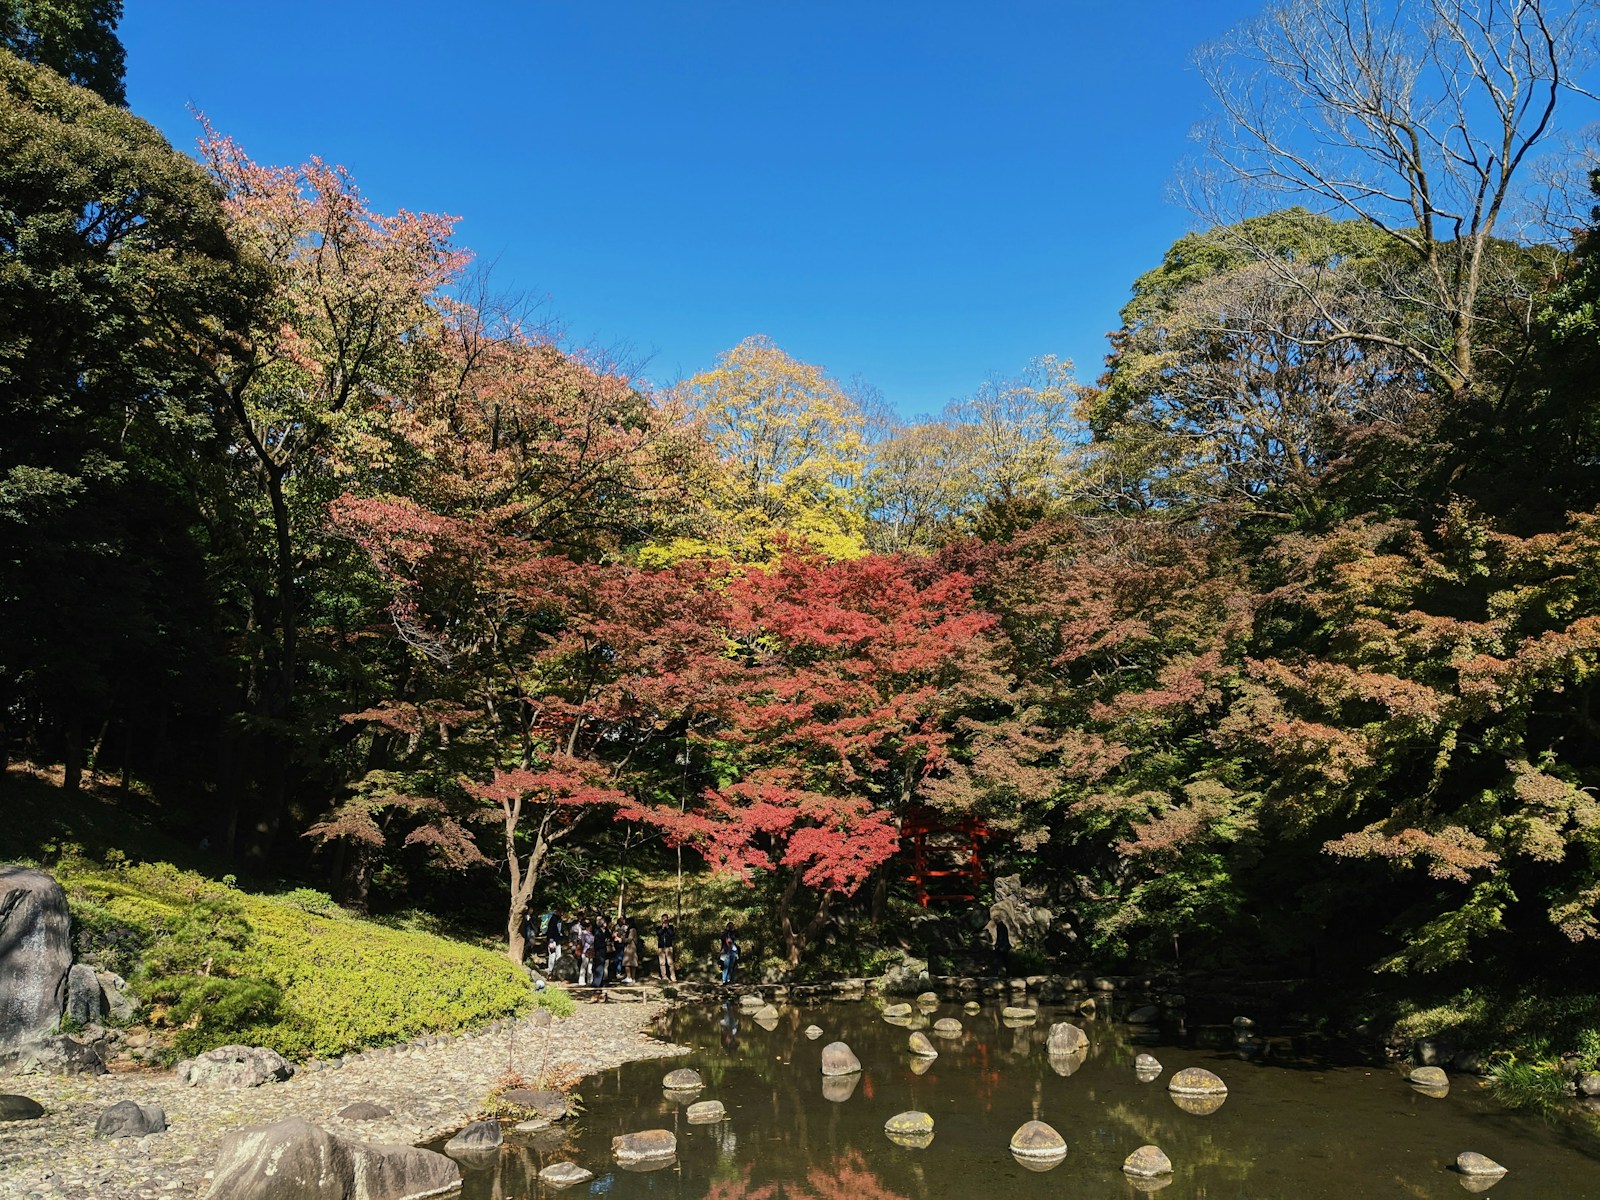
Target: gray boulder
(1470, 1162)
(705, 1112)
(120, 1006)
(547, 1103)
(128, 1119)
(476, 1137)
(234, 1067)
(20, 1108)
(1066, 1038)
(35, 954)
(294, 1160)
(839, 1059)
(53, 1054)
(1432, 1077)
(906, 977)
(85, 1005)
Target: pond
(1291, 1126)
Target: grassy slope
(346, 982)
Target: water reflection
(791, 1132)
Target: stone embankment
(431, 1087)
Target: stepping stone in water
(564, 1174)
(1147, 1162)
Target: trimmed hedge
(343, 983)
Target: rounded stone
(1146, 1064)
(128, 1119)
(919, 1045)
(1470, 1162)
(1148, 1014)
(972, 1008)
(564, 1174)
(928, 1000)
(947, 1027)
(20, 1108)
(1013, 1013)
(478, 1136)
(1066, 1038)
(909, 1123)
(646, 1144)
(897, 1010)
(1196, 1081)
(766, 1013)
(1036, 1140)
(1147, 1162)
(1429, 1077)
(813, 1032)
(682, 1080)
(706, 1112)
(839, 1059)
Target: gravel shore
(432, 1090)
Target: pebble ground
(432, 1089)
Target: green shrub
(1524, 1083)
(294, 972)
(202, 977)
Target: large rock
(891, 1011)
(1036, 1140)
(234, 1067)
(647, 1144)
(921, 1046)
(120, 1006)
(128, 1119)
(476, 1138)
(294, 1160)
(839, 1059)
(20, 1108)
(55, 1054)
(35, 955)
(85, 1006)
(1066, 1038)
(549, 1104)
(682, 1080)
(1147, 1162)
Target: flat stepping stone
(564, 1174)
(896, 1010)
(913, 1130)
(705, 1112)
(1013, 1013)
(533, 1125)
(647, 1144)
(478, 1137)
(1147, 1162)
(363, 1111)
(540, 1101)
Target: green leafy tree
(76, 38)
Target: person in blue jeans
(730, 953)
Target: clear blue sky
(921, 194)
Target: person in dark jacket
(666, 939)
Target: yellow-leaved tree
(790, 441)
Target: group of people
(604, 950)
(610, 950)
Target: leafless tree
(1421, 117)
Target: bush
(293, 972)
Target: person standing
(586, 952)
(602, 953)
(630, 953)
(666, 939)
(1002, 949)
(730, 953)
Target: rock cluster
(294, 1158)
(234, 1067)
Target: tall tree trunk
(795, 940)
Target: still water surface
(1291, 1127)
